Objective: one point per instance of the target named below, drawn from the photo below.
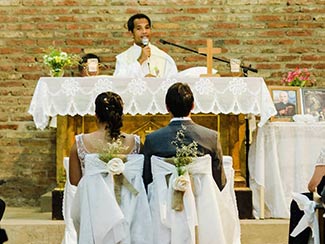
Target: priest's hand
(150, 75)
(145, 54)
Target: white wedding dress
(96, 213)
(208, 216)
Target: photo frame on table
(313, 102)
(287, 101)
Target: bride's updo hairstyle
(109, 110)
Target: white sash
(203, 206)
(309, 219)
(101, 219)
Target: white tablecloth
(281, 159)
(76, 95)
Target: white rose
(181, 183)
(115, 166)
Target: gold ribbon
(119, 181)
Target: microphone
(145, 41)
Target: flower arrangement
(111, 150)
(184, 156)
(299, 77)
(57, 60)
(184, 153)
(114, 159)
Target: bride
(109, 112)
(100, 213)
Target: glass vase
(57, 73)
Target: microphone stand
(245, 68)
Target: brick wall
(273, 36)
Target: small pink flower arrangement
(299, 77)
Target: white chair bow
(203, 206)
(97, 212)
(309, 219)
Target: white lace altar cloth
(281, 159)
(205, 207)
(76, 96)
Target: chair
(313, 218)
(228, 193)
(96, 212)
(206, 218)
(70, 234)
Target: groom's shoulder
(204, 129)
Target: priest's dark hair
(137, 16)
(109, 110)
(179, 99)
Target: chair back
(205, 217)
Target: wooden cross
(209, 50)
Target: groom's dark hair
(179, 99)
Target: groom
(179, 102)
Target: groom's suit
(159, 143)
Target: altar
(282, 158)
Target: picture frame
(287, 101)
(313, 102)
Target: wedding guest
(179, 102)
(317, 181)
(143, 59)
(3, 234)
(88, 68)
(109, 112)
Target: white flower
(181, 183)
(115, 166)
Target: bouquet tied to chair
(184, 156)
(112, 155)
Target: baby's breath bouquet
(112, 155)
(184, 156)
(57, 60)
(184, 153)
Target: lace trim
(81, 150)
(321, 157)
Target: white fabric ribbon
(309, 219)
(204, 206)
(181, 223)
(100, 217)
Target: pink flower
(298, 77)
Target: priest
(143, 59)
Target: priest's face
(141, 30)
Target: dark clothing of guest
(296, 214)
